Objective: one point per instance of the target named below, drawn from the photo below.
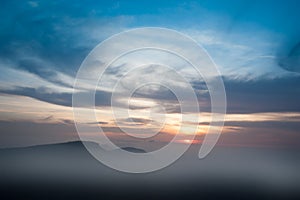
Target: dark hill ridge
(134, 150)
(68, 145)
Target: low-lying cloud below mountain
(68, 170)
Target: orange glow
(190, 141)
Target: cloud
(43, 70)
(102, 98)
(270, 95)
(136, 121)
(291, 62)
(41, 94)
(62, 34)
(51, 39)
(269, 133)
(261, 95)
(273, 95)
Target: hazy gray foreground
(268, 171)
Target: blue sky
(256, 45)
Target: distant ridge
(72, 144)
(134, 150)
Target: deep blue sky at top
(277, 16)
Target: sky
(255, 44)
